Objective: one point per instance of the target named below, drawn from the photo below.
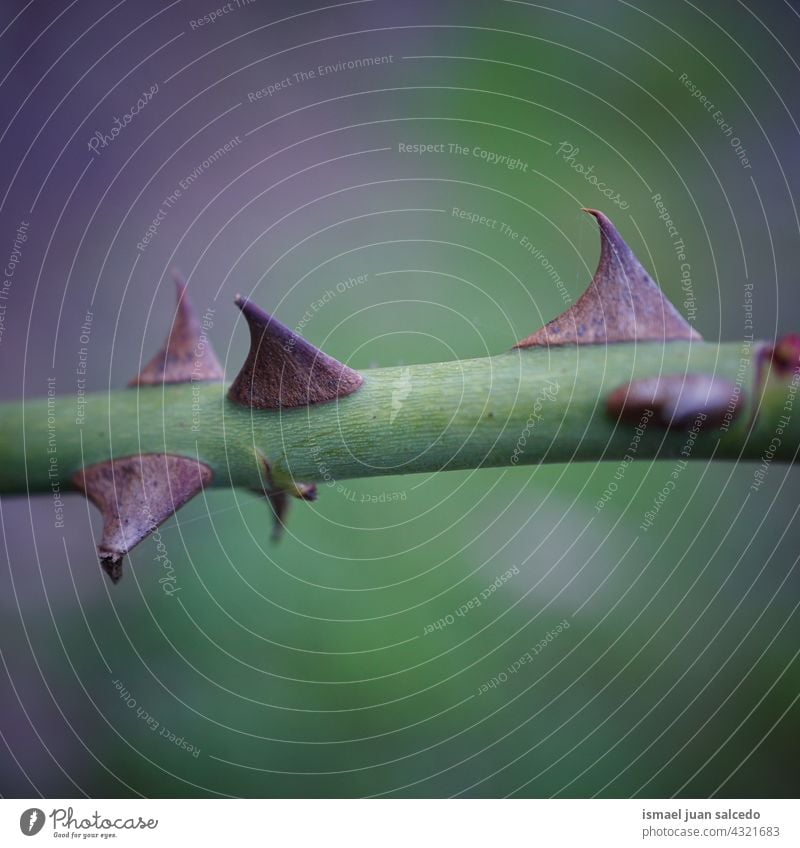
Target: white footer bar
(401, 823)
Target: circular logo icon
(31, 821)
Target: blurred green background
(313, 668)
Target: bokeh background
(312, 668)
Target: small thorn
(279, 502)
(677, 401)
(135, 495)
(622, 303)
(187, 354)
(306, 491)
(786, 354)
(283, 370)
(781, 360)
(278, 496)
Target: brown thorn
(283, 370)
(136, 494)
(781, 359)
(677, 401)
(186, 355)
(622, 303)
(785, 355)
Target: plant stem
(525, 406)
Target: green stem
(522, 407)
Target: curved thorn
(186, 355)
(283, 370)
(622, 303)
